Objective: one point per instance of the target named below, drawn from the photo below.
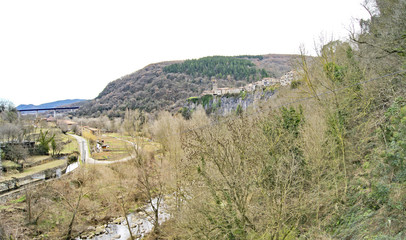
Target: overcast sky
(54, 50)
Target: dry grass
(33, 159)
(89, 135)
(100, 185)
(117, 150)
(71, 146)
(119, 147)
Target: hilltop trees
(219, 67)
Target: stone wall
(15, 183)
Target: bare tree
(150, 182)
(36, 203)
(73, 202)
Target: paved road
(84, 153)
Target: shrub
(43, 143)
(15, 152)
(396, 139)
(193, 100)
(295, 84)
(379, 196)
(72, 158)
(243, 95)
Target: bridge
(46, 109)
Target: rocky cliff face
(230, 103)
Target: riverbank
(140, 223)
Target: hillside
(166, 85)
(50, 104)
(324, 159)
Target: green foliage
(56, 146)
(72, 158)
(334, 72)
(395, 154)
(378, 196)
(193, 100)
(270, 89)
(44, 140)
(259, 57)
(205, 100)
(219, 67)
(292, 119)
(19, 200)
(186, 112)
(243, 95)
(295, 84)
(239, 110)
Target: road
(85, 156)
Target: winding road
(84, 153)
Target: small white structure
(265, 82)
(288, 78)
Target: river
(140, 224)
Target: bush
(15, 152)
(295, 84)
(193, 100)
(395, 132)
(205, 100)
(72, 158)
(64, 127)
(44, 139)
(186, 113)
(243, 95)
(379, 196)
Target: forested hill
(166, 85)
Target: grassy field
(33, 159)
(36, 169)
(71, 146)
(9, 164)
(117, 149)
(146, 143)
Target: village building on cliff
(265, 82)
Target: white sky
(54, 50)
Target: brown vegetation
(152, 89)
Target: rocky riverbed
(140, 224)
